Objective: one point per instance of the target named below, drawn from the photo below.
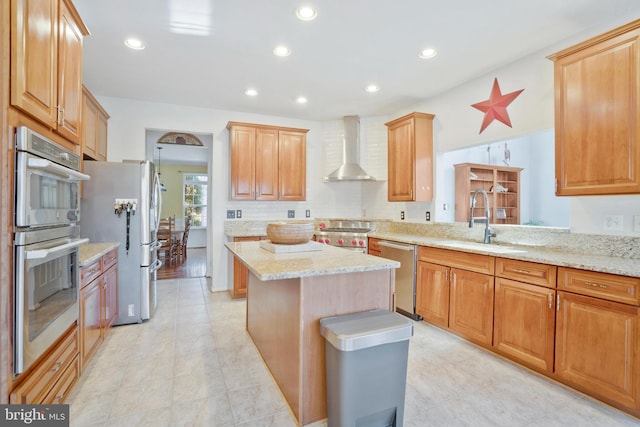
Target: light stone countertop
(267, 265)
(600, 263)
(89, 252)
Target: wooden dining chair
(168, 245)
(182, 243)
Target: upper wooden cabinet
(94, 128)
(46, 63)
(267, 162)
(504, 205)
(597, 114)
(410, 158)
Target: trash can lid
(355, 331)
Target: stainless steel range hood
(350, 170)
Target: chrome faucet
(487, 231)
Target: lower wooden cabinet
(90, 320)
(524, 323)
(432, 293)
(598, 348)
(98, 303)
(471, 305)
(240, 271)
(51, 380)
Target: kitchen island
(288, 294)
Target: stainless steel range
(350, 235)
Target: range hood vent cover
(350, 170)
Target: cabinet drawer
(374, 244)
(528, 272)
(89, 272)
(601, 285)
(40, 382)
(463, 260)
(61, 389)
(109, 259)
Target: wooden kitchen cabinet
(240, 271)
(267, 162)
(524, 312)
(94, 128)
(597, 117)
(51, 379)
(598, 349)
(504, 206)
(46, 63)
(432, 293)
(470, 282)
(410, 158)
(373, 246)
(98, 303)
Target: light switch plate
(291, 214)
(231, 214)
(636, 223)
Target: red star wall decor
(495, 108)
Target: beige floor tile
(193, 364)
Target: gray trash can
(366, 368)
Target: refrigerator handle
(158, 198)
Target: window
(194, 198)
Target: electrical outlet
(402, 215)
(636, 223)
(307, 213)
(291, 213)
(445, 206)
(428, 216)
(130, 310)
(231, 214)
(613, 222)
(238, 213)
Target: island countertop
(267, 265)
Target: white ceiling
(352, 43)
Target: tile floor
(193, 364)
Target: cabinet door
(401, 161)
(110, 297)
(597, 348)
(471, 305)
(597, 121)
(432, 293)
(240, 271)
(266, 164)
(101, 135)
(524, 323)
(243, 162)
(292, 165)
(89, 124)
(34, 53)
(90, 320)
(69, 75)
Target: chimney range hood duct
(350, 170)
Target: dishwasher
(405, 275)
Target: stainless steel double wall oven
(46, 244)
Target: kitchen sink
(473, 246)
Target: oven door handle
(43, 253)
(56, 169)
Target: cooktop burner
(345, 230)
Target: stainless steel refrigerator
(121, 203)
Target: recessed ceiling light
(134, 43)
(301, 100)
(427, 53)
(282, 51)
(251, 92)
(372, 88)
(306, 13)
